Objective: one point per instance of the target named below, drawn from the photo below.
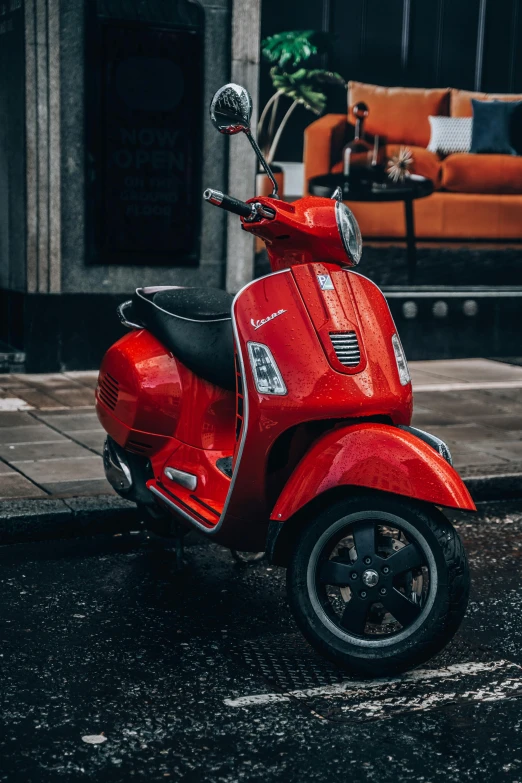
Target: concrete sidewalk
(51, 440)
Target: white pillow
(450, 134)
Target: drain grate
(289, 663)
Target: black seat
(195, 324)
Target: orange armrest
(323, 143)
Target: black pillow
(492, 126)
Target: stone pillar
(42, 133)
(246, 27)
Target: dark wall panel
(381, 37)
(457, 35)
(423, 43)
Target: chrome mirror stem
(260, 156)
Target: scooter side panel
(145, 392)
(375, 456)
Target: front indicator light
(400, 358)
(267, 377)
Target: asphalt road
(103, 637)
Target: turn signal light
(400, 358)
(267, 377)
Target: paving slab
(468, 433)
(467, 370)
(471, 405)
(74, 396)
(15, 419)
(508, 450)
(47, 471)
(14, 485)
(37, 433)
(84, 488)
(56, 380)
(92, 439)
(511, 425)
(468, 458)
(426, 417)
(70, 421)
(29, 452)
(85, 377)
(35, 397)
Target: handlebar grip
(229, 203)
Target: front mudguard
(374, 456)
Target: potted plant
(302, 86)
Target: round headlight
(349, 231)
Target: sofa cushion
(450, 134)
(425, 163)
(492, 122)
(461, 106)
(399, 114)
(468, 173)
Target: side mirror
(230, 113)
(231, 109)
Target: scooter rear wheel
(378, 584)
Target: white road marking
(359, 687)
(14, 404)
(463, 386)
(427, 701)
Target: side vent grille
(346, 348)
(108, 390)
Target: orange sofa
(476, 196)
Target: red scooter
(278, 421)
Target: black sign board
(146, 161)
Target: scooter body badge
(262, 321)
(325, 282)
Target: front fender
(376, 456)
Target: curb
(48, 518)
(503, 486)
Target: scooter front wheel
(378, 584)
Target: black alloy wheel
(378, 584)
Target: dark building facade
(104, 147)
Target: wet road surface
(202, 675)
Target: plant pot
(264, 185)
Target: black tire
(328, 622)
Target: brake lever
(260, 211)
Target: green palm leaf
(304, 85)
(289, 48)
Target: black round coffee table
(413, 188)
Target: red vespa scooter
(279, 421)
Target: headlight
(349, 231)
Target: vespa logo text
(261, 322)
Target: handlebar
(229, 203)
